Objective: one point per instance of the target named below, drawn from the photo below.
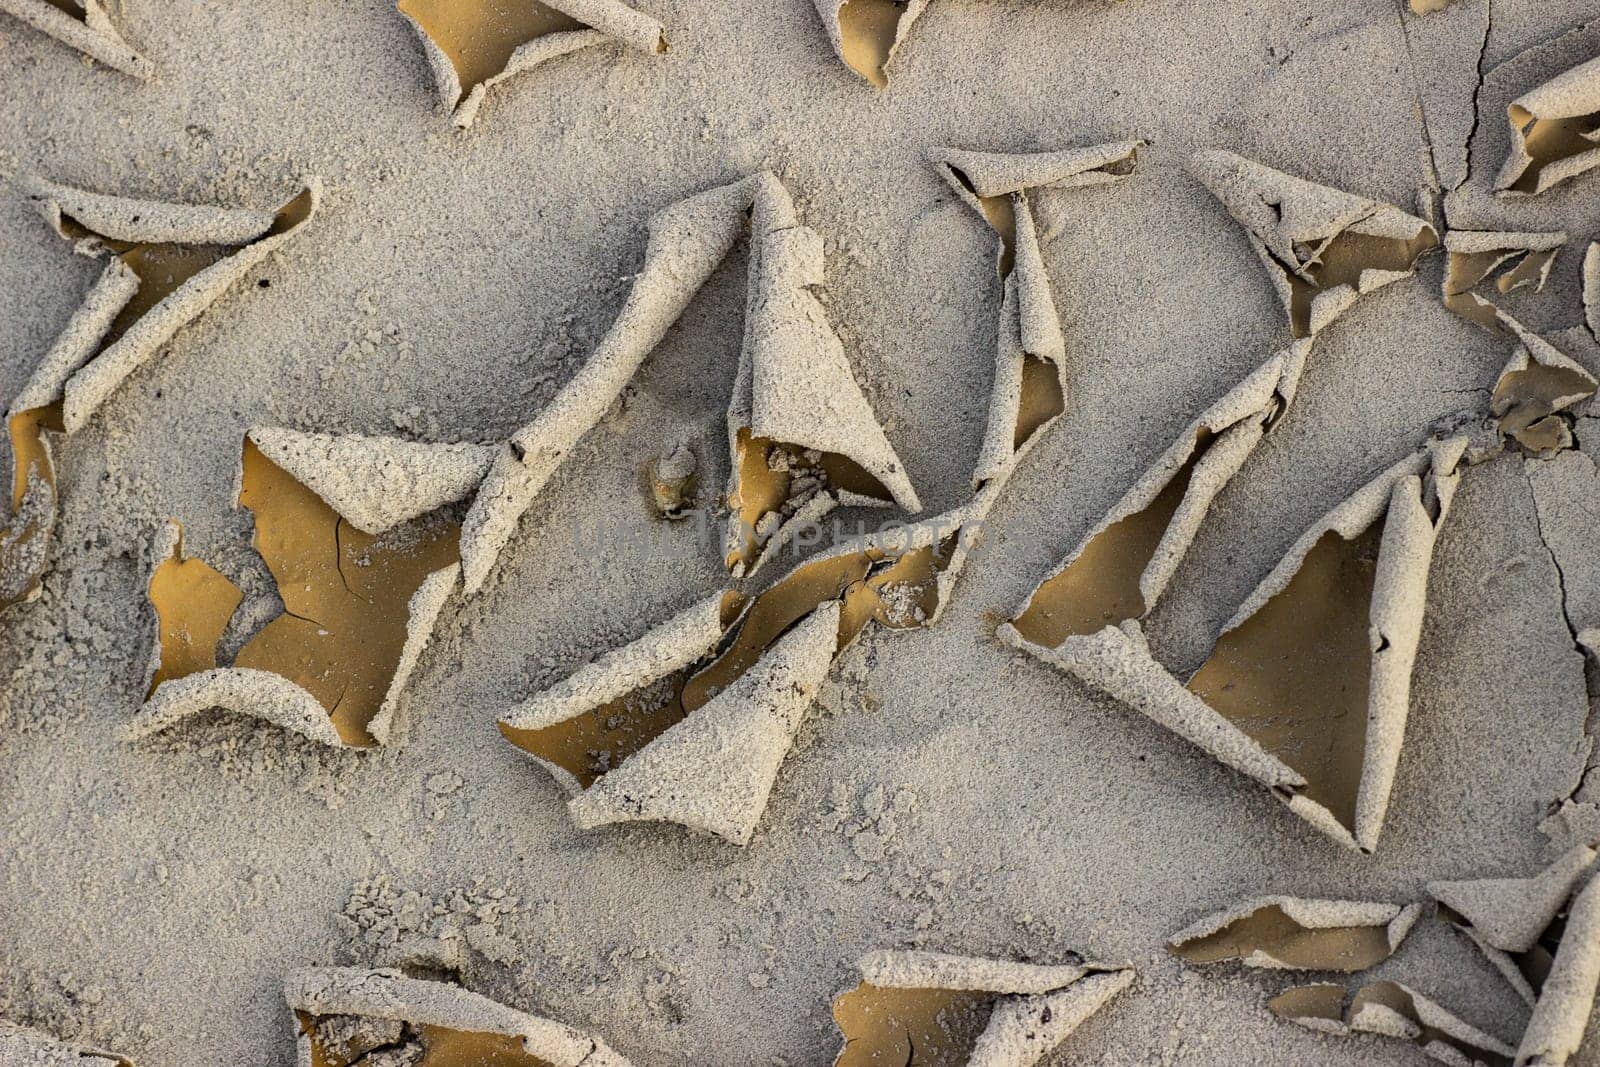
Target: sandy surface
(948, 793)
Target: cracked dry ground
(946, 793)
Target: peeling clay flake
(926, 1008)
(84, 25)
(358, 610)
(1287, 933)
(165, 264)
(1555, 133)
(472, 45)
(351, 1017)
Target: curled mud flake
(1555, 132)
(1393, 1010)
(1100, 587)
(346, 596)
(594, 742)
(1308, 935)
(472, 44)
(672, 483)
(1511, 260)
(193, 603)
(1531, 405)
(1295, 675)
(868, 32)
(1541, 934)
(1000, 213)
(84, 25)
(1323, 247)
(350, 1017)
(910, 1026)
(480, 36)
(166, 263)
(777, 479)
(1343, 262)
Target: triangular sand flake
(84, 25)
(801, 436)
(1555, 132)
(22, 1046)
(1308, 687)
(1288, 933)
(167, 263)
(358, 612)
(1030, 372)
(352, 1017)
(473, 44)
(1321, 247)
(1542, 934)
(1393, 1010)
(1535, 396)
(925, 1009)
(1512, 260)
(1121, 568)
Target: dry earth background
(949, 794)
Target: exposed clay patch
(1101, 587)
(346, 595)
(1295, 675)
(910, 1027)
(867, 33)
(1042, 399)
(1388, 1007)
(672, 483)
(480, 36)
(193, 604)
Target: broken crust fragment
(1555, 133)
(344, 1013)
(1122, 566)
(925, 1007)
(1534, 397)
(1393, 1010)
(89, 30)
(168, 263)
(1542, 934)
(22, 1046)
(359, 611)
(710, 769)
(1322, 247)
(1289, 933)
(866, 33)
(1029, 389)
(472, 46)
(631, 735)
(799, 427)
(1308, 688)
(1513, 260)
